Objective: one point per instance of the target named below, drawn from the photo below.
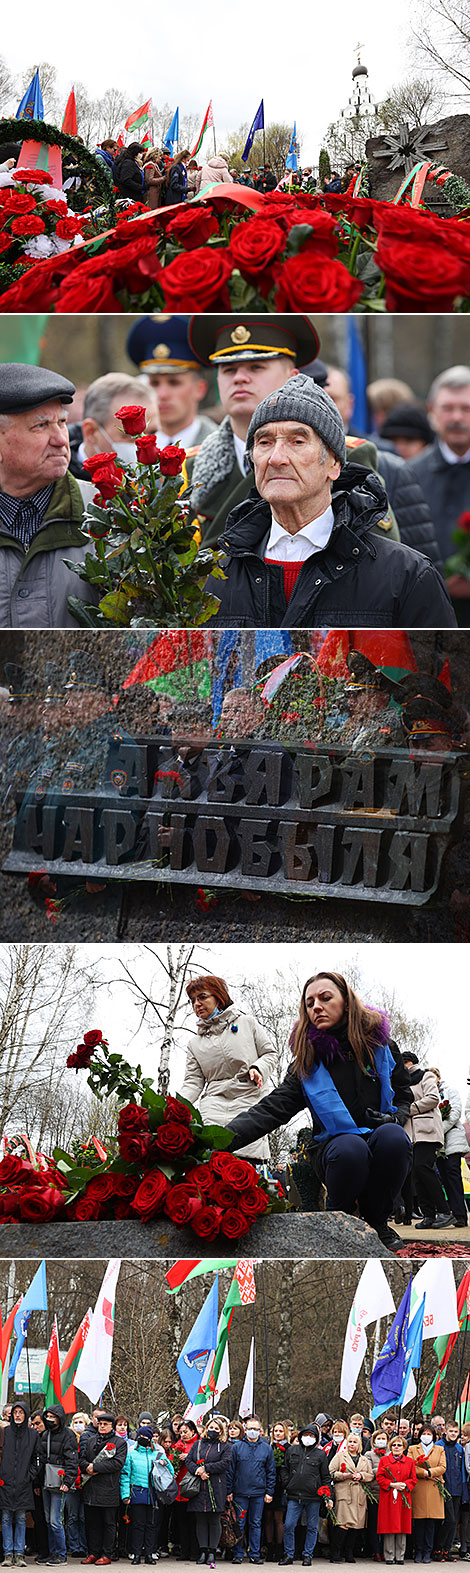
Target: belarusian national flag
(69, 1365)
(187, 1268)
(242, 1292)
(443, 1346)
(391, 650)
(51, 1385)
(139, 117)
(207, 121)
(69, 123)
(176, 663)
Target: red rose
(93, 1038)
(68, 227)
(89, 295)
(324, 230)
(172, 460)
(39, 1204)
(134, 1149)
(56, 207)
(192, 227)
(255, 246)
(34, 290)
(87, 1208)
(175, 1110)
(181, 1203)
(234, 1170)
(224, 1194)
(133, 417)
(173, 1137)
(99, 462)
(123, 1210)
(253, 1203)
(9, 1207)
(108, 481)
(421, 277)
(28, 225)
(147, 450)
(312, 283)
(202, 1176)
(133, 1118)
(82, 1058)
(13, 1168)
(125, 1185)
(101, 1187)
(197, 281)
(463, 522)
(149, 1199)
(234, 1223)
(16, 202)
(206, 1222)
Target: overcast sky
(299, 59)
(426, 978)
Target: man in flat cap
(300, 552)
(41, 505)
(160, 347)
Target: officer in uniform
(159, 347)
(374, 722)
(253, 357)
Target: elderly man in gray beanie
(301, 549)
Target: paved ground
(427, 1236)
(172, 1564)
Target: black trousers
(144, 1525)
(100, 1526)
(208, 1530)
(449, 1529)
(427, 1183)
(183, 1530)
(344, 1543)
(451, 1176)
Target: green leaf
(297, 237)
(155, 1104)
(85, 615)
(114, 608)
(216, 1136)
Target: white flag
(248, 1395)
(95, 1362)
(436, 1280)
(373, 1298)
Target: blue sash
(327, 1106)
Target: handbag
(53, 1476)
(230, 1527)
(190, 1486)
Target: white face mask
(338, 1437)
(126, 451)
(427, 1441)
(309, 1441)
(252, 1435)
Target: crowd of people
(330, 526)
(337, 1489)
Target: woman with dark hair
(209, 1460)
(128, 174)
(229, 1059)
(350, 1075)
(182, 1525)
(177, 178)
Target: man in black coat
(18, 1465)
(300, 549)
(57, 1445)
(443, 470)
(102, 1459)
(306, 1480)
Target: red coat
(394, 1516)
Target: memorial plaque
(254, 816)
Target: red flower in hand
(147, 450)
(133, 417)
(172, 460)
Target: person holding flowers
(352, 1474)
(396, 1477)
(428, 1496)
(305, 1478)
(229, 1060)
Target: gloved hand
(375, 1118)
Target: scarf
(319, 1089)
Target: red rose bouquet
(460, 560)
(162, 1162)
(147, 567)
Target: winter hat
(144, 1434)
(408, 420)
(304, 401)
(145, 1418)
(311, 1430)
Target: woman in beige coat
(426, 1132)
(428, 1504)
(229, 1059)
(350, 1472)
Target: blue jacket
(252, 1470)
(455, 1478)
(136, 1477)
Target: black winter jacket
(128, 177)
(358, 580)
(446, 488)
(216, 1459)
(108, 1456)
(18, 1465)
(303, 1471)
(412, 511)
(63, 1449)
(357, 1090)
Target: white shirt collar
(296, 548)
(240, 447)
(451, 457)
(186, 438)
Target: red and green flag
(69, 123)
(216, 1376)
(443, 1346)
(389, 649)
(138, 118)
(177, 663)
(6, 1330)
(68, 1369)
(51, 1384)
(186, 1268)
(207, 122)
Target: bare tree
(48, 84)
(157, 981)
(113, 110)
(416, 101)
(7, 85)
(442, 40)
(44, 993)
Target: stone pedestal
(301, 1235)
(454, 130)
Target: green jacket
(35, 584)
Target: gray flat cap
(301, 400)
(23, 387)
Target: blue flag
(292, 160)
(258, 125)
(200, 1342)
(172, 134)
(357, 373)
(35, 1299)
(31, 107)
(387, 1376)
(414, 1344)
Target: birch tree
(45, 992)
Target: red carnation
(172, 460)
(68, 228)
(234, 1223)
(28, 225)
(41, 177)
(173, 1137)
(16, 202)
(177, 1111)
(463, 522)
(5, 242)
(133, 1118)
(133, 417)
(343, 1468)
(59, 209)
(147, 450)
(197, 281)
(149, 1199)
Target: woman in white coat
(229, 1059)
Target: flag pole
(254, 1359)
(29, 1376)
(215, 144)
(266, 1356)
(461, 1367)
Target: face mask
(126, 451)
(338, 1437)
(355, 1430)
(79, 1425)
(427, 1441)
(50, 1423)
(252, 1435)
(309, 1441)
(380, 1447)
(213, 1436)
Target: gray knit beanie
(304, 401)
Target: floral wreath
(38, 131)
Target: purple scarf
(329, 1048)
